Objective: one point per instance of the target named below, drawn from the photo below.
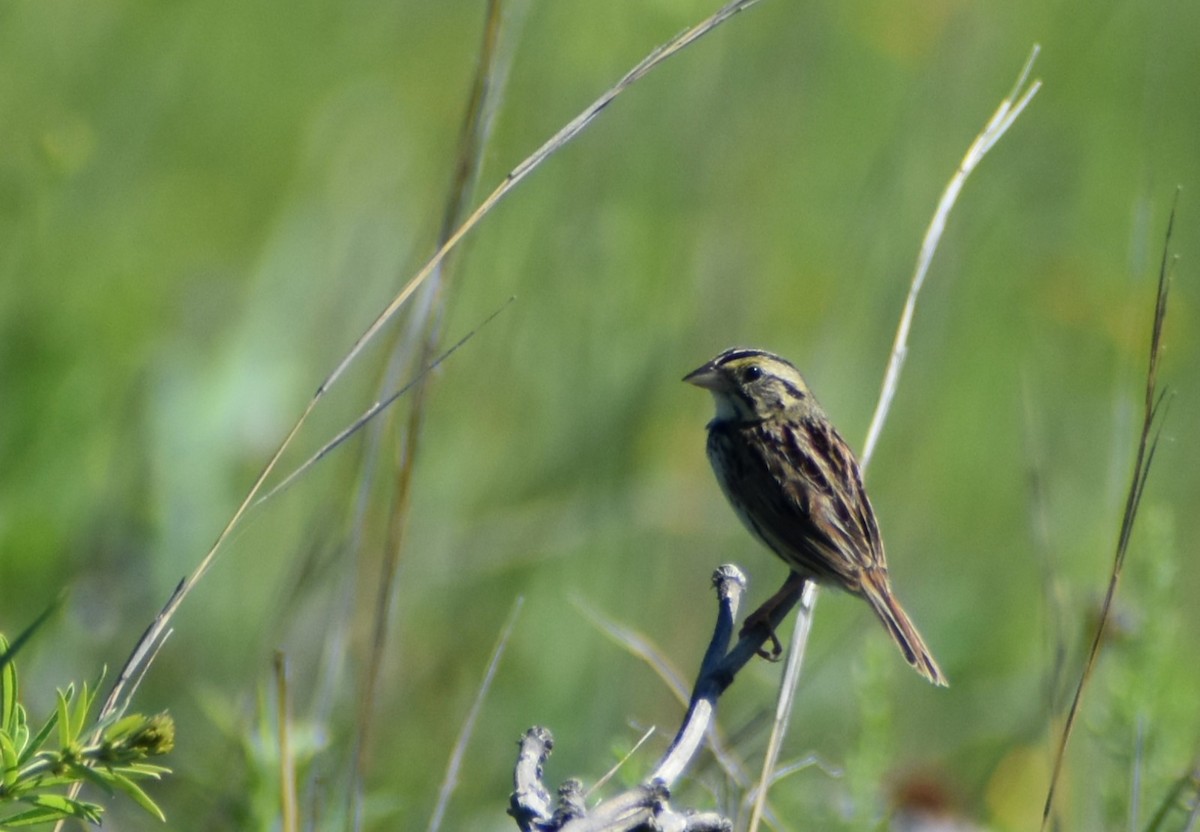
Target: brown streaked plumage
(796, 485)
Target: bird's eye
(752, 373)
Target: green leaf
(140, 797)
(30, 817)
(7, 653)
(20, 729)
(9, 759)
(51, 781)
(83, 705)
(99, 777)
(39, 739)
(65, 738)
(99, 683)
(123, 726)
(144, 770)
(8, 688)
(53, 807)
(79, 711)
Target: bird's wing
(820, 512)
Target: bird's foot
(754, 624)
(759, 622)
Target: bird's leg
(761, 617)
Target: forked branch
(647, 806)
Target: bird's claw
(776, 651)
(755, 622)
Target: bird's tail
(878, 592)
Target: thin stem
(145, 648)
(1008, 111)
(454, 765)
(1147, 444)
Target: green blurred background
(203, 204)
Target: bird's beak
(706, 377)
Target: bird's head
(750, 385)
